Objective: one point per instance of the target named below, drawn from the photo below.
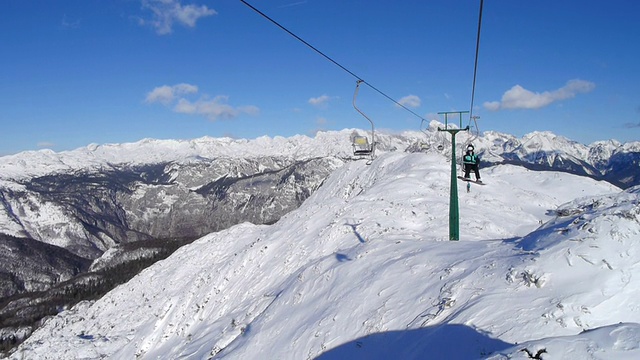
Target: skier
(471, 161)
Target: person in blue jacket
(471, 161)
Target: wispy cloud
(632, 125)
(292, 4)
(320, 125)
(213, 109)
(166, 13)
(66, 23)
(320, 101)
(321, 122)
(520, 98)
(167, 94)
(45, 144)
(410, 101)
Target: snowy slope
(364, 270)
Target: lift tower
(454, 214)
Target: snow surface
(547, 262)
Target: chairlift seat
(361, 145)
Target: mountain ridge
(492, 145)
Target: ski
(479, 182)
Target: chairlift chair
(361, 144)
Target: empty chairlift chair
(361, 145)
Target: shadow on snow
(451, 342)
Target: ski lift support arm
(446, 119)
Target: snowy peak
(601, 151)
(547, 142)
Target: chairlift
(474, 134)
(361, 144)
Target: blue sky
(76, 72)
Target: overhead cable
(329, 58)
(475, 66)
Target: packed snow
(547, 266)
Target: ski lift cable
(472, 117)
(475, 71)
(475, 66)
(329, 58)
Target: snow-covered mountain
(541, 148)
(546, 264)
(62, 210)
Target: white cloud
(166, 94)
(320, 100)
(411, 101)
(492, 105)
(520, 98)
(168, 12)
(213, 109)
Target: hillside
(363, 269)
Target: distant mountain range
(610, 160)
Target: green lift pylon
(454, 214)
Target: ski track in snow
(364, 270)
